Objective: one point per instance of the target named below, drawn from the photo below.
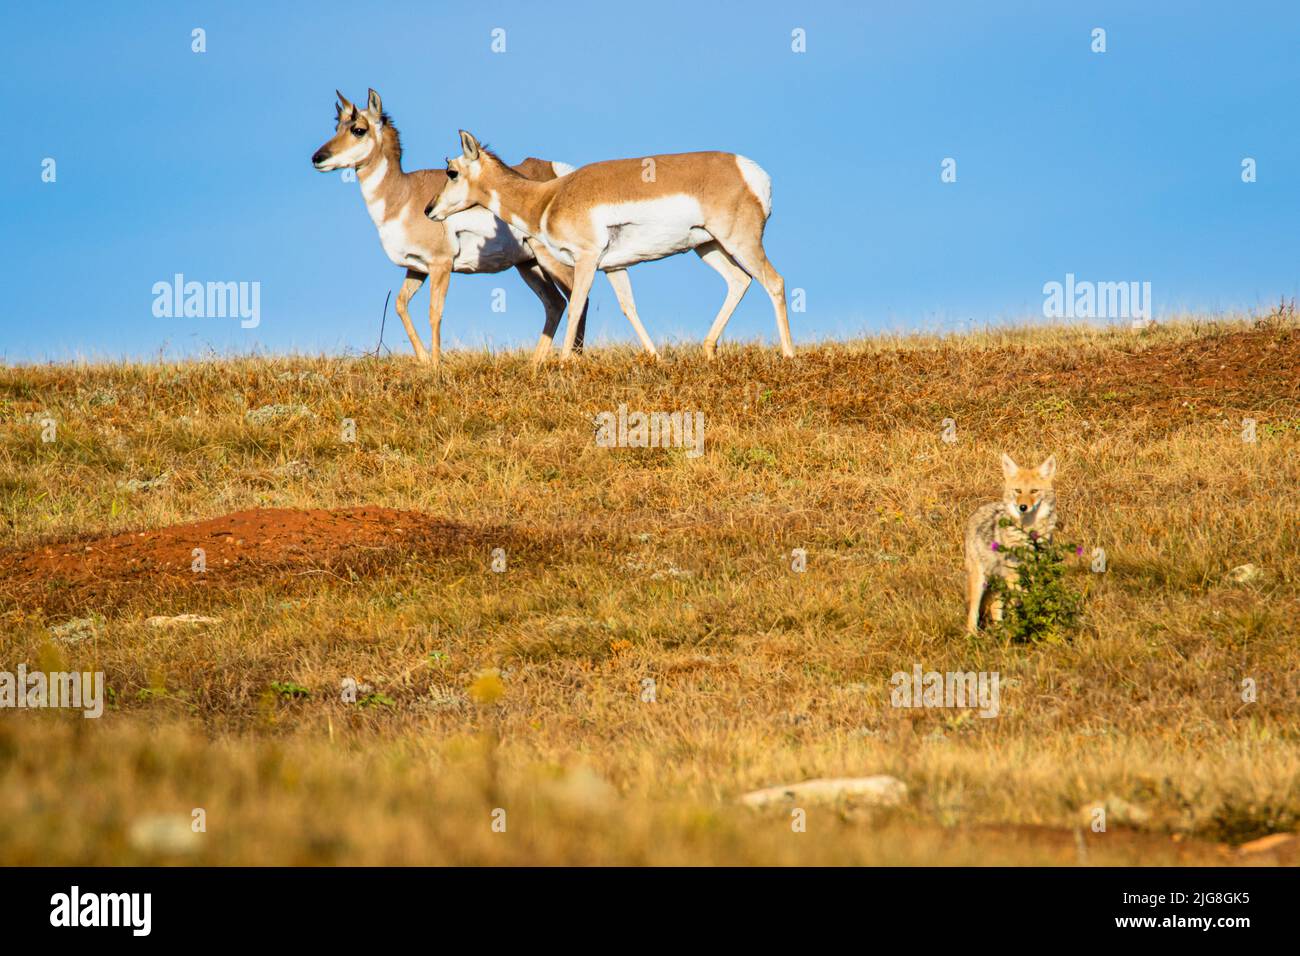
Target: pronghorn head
(463, 174)
(357, 135)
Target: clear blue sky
(1124, 165)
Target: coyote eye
(451, 173)
(358, 131)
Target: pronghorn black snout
(319, 157)
(428, 210)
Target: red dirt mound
(234, 547)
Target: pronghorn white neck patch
(371, 181)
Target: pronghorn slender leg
(623, 289)
(552, 301)
(748, 251)
(737, 283)
(439, 277)
(563, 277)
(410, 286)
(583, 274)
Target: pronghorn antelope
(614, 214)
(473, 241)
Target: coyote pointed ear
(374, 107)
(469, 145)
(1009, 467)
(1048, 468)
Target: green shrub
(1043, 607)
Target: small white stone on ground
(1245, 573)
(880, 790)
(180, 620)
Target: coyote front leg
(974, 598)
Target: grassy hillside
(523, 689)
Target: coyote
(1027, 508)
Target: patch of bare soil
(234, 548)
(1237, 370)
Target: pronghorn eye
(358, 131)
(451, 173)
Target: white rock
(180, 620)
(881, 790)
(164, 833)
(1245, 573)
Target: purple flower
(1033, 536)
(995, 545)
(1079, 550)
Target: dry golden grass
(630, 564)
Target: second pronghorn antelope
(614, 214)
(474, 241)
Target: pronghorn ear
(1009, 467)
(468, 145)
(374, 107)
(344, 104)
(1048, 468)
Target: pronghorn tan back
(610, 215)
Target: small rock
(74, 631)
(582, 789)
(169, 833)
(1118, 810)
(162, 620)
(1274, 841)
(443, 700)
(270, 413)
(879, 791)
(1245, 573)
(138, 484)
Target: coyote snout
(1027, 510)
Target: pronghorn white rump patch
(758, 181)
(561, 169)
(647, 229)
